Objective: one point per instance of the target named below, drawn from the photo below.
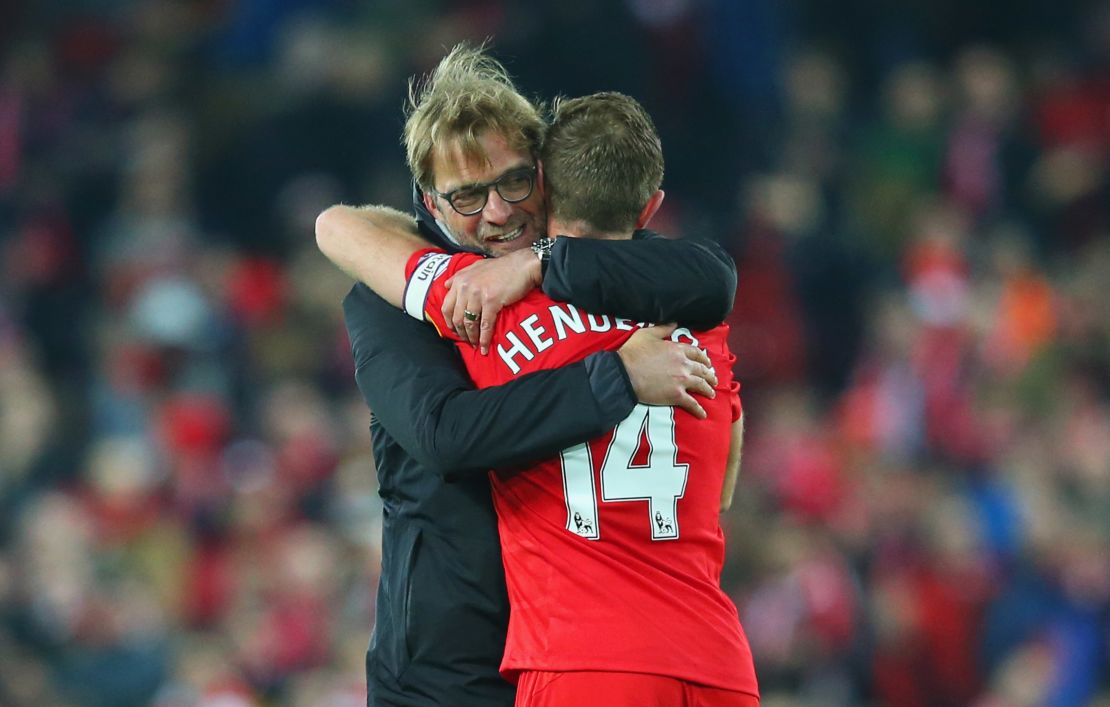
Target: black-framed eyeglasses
(512, 186)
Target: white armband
(430, 267)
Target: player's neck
(582, 229)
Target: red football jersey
(612, 550)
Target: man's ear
(430, 204)
(539, 178)
(650, 208)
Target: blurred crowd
(918, 198)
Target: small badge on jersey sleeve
(428, 268)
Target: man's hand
(664, 372)
(483, 288)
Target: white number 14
(660, 482)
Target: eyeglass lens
(512, 187)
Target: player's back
(613, 550)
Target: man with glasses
(442, 608)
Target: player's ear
(650, 208)
(539, 176)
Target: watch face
(542, 247)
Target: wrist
(612, 388)
(529, 265)
(535, 269)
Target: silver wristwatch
(542, 248)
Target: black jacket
(442, 608)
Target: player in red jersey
(613, 551)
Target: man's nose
(497, 210)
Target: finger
(471, 326)
(700, 387)
(489, 318)
(695, 354)
(696, 371)
(462, 304)
(705, 372)
(457, 319)
(687, 403)
(448, 309)
(467, 333)
(448, 282)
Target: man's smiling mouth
(510, 236)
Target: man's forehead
(456, 162)
(453, 157)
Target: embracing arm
(647, 279)
(371, 244)
(421, 394)
(650, 278)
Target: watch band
(542, 248)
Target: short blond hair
(602, 161)
(469, 93)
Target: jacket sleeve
(650, 278)
(418, 388)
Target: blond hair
(468, 94)
(602, 161)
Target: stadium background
(916, 194)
